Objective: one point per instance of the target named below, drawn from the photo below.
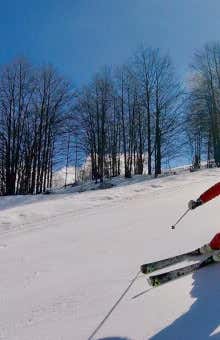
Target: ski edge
(160, 264)
(155, 280)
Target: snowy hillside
(66, 259)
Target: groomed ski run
(66, 258)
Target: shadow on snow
(114, 338)
(203, 317)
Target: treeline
(203, 105)
(131, 115)
(32, 104)
(128, 120)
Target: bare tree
(32, 104)
(205, 99)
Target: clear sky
(81, 36)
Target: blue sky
(80, 36)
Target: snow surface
(66, 259)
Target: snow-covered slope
(66, 259)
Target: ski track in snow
(66, 259)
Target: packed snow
(69, 262)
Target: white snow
(67, 258)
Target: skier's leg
(215, 242)
(213, 245)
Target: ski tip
(149, 281)
(148, 268)
(143, 269)
(153, 281)
(172, 227)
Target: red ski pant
(215, 242)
